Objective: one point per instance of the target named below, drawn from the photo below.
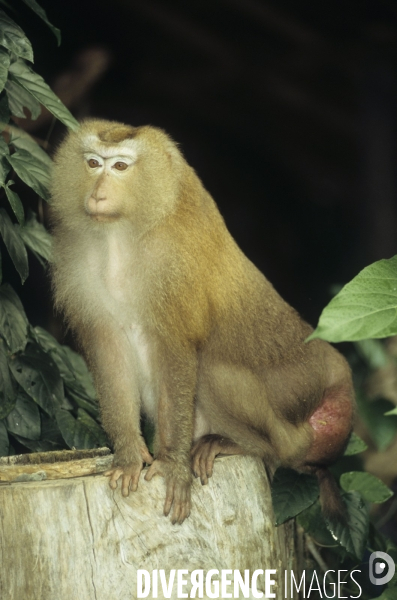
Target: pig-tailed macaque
(177, 323)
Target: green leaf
(24, 419)
(4, 65)
(7, 388)
(38, 445)
(365, 308)
(4, 169)
(4, 441)
(312, 521)
(35, 85)
(14, 244)
(4, 112)
(4, 149)
(13, 321)
(389, 413)
(42, 14)
(370, 487)
(95, 429)
(355, 445)
(15, 203)
(381, 428)
(13, 38)
(23, 141)
(74, 432)
(354, 535)
(36, 237)
(79, 397)
(19, 98)
(292, 492)
(38, 375)
(31, 171)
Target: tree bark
(75, 538)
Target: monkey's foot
(204, 452)
(129, 472)
(178, 483)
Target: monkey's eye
(120, 166)
(93, 163)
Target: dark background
(286, 109)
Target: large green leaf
(4, 65)
(14, 244)
(24, 419)
(23, 141)
(370, 487)
(13, 321)
(15, 203)
(38, 375)
(292, 492)
(352, 535)
(37, 238)
(32, 171)
(365, 308)
(7, 388)
(19, 98)
(35, 85)
(4, 441)
(42, 14)
(75, 433)
(13, 38)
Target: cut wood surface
(75, 538)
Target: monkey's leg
(177, 370)
(205, 451)
(110, 359)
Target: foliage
(364, 309)
(47, 400)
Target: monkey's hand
(129, 469)
(204, 452)
(178, 480)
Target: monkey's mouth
(100, 211)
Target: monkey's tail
(330, 498)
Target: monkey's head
(107, 172)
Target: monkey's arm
(109, 356)
(174, 424)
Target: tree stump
(75, 538)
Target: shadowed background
(287, 111)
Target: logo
(381, 568)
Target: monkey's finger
(146, 456)
(181, 503)
(169, 498)
(209, 467)
(196, 465)
(153, 470)
(114, 475)
(125, 485)
(203, 464)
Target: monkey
(178, 324)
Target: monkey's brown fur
(177, 322)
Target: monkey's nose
(99, 196)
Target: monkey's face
(110, 174)
(107, 172)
